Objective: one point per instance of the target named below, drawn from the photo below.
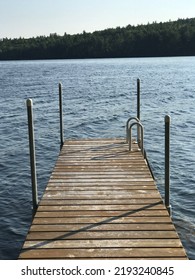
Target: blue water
(99, 96)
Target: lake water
(99, 96)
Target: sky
(32, 18)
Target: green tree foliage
(157, 39)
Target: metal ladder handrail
(127, 126)
(141, 143)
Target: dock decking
(101, 202)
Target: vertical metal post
(138, 99)
(32, 154)
(167, 163)
(138, 112)
(61, 116)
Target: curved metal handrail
(127, 126)
(139, 125)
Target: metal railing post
(138, 111)
(138, 99)
(167, 163)
(32, 154)
(61, 116)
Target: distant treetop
(173, 38)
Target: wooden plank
(93, 235)
(100, 186)
(106, 201)
(60, 213)
(100, 227)
(108, 253)
(94, 188)
(101, 202)
(128, 208)
(57, 195)
(93, 220)
(104, 243)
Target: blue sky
(28, 18)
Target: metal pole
(32, 154)
(138, 112)
(167, 163)
(138, 99)
(61, 116)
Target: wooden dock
(101, 202)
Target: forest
(173, 38)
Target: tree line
(173, 38)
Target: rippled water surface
(99, 96)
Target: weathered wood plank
(57, 195)
(108, 253)
(100, 213)
(88, 235)
(130, 184)
(105, 243)
(127, 208)
(101, 201)
(53, 187)
(92, 220)
(101, 226)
